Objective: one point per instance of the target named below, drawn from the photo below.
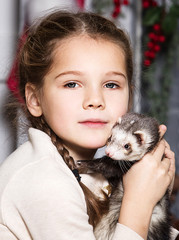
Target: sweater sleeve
(43, 202)
(125, 233)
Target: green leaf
(169, 24)
(174, 10)
(152, 16)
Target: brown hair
(36, 59)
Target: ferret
(131, 138)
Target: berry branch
(160, 37)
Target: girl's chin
(94, 145)
(95, 141)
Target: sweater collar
(41, 142)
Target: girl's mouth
(93, 123)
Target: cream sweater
(41, 199)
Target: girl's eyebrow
(77, 73)
(116, 73)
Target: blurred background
(153, 27)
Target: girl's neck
(81, 154)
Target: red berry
(116, 12)
(150, 45)
(147, 53)
(125, 2)
(157, 48)
(152, 54)
(156, 27)
(152, 35)
(162, 38)
(154, 3)
(147, 62)
(145, 4)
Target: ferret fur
(132, 137)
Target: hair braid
(42, 125)
(95, 207)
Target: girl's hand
(169, 154)
(145, 184)
(148, 179)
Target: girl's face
(84, 93)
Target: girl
(75, 73)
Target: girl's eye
(111, 85)
(71, 85)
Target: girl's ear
(32, 100)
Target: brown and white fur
(132, 137)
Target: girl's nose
(94, 100)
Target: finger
(166, 162)
(170, 188)
(172, 163)
(171, 158)
(171, 173)
(158, 152)
(162, 130)
(169, 154)
(165, 171)
(167, 145)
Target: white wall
(8, 34)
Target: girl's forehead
(87, 48)
(84, 39)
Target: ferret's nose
(108, 153)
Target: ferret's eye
(126, 146)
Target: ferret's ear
(119, 120)
(141, 136)
(32, 100)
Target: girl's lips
(93, 123)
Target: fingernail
(163, 127)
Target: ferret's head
(127, 145)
